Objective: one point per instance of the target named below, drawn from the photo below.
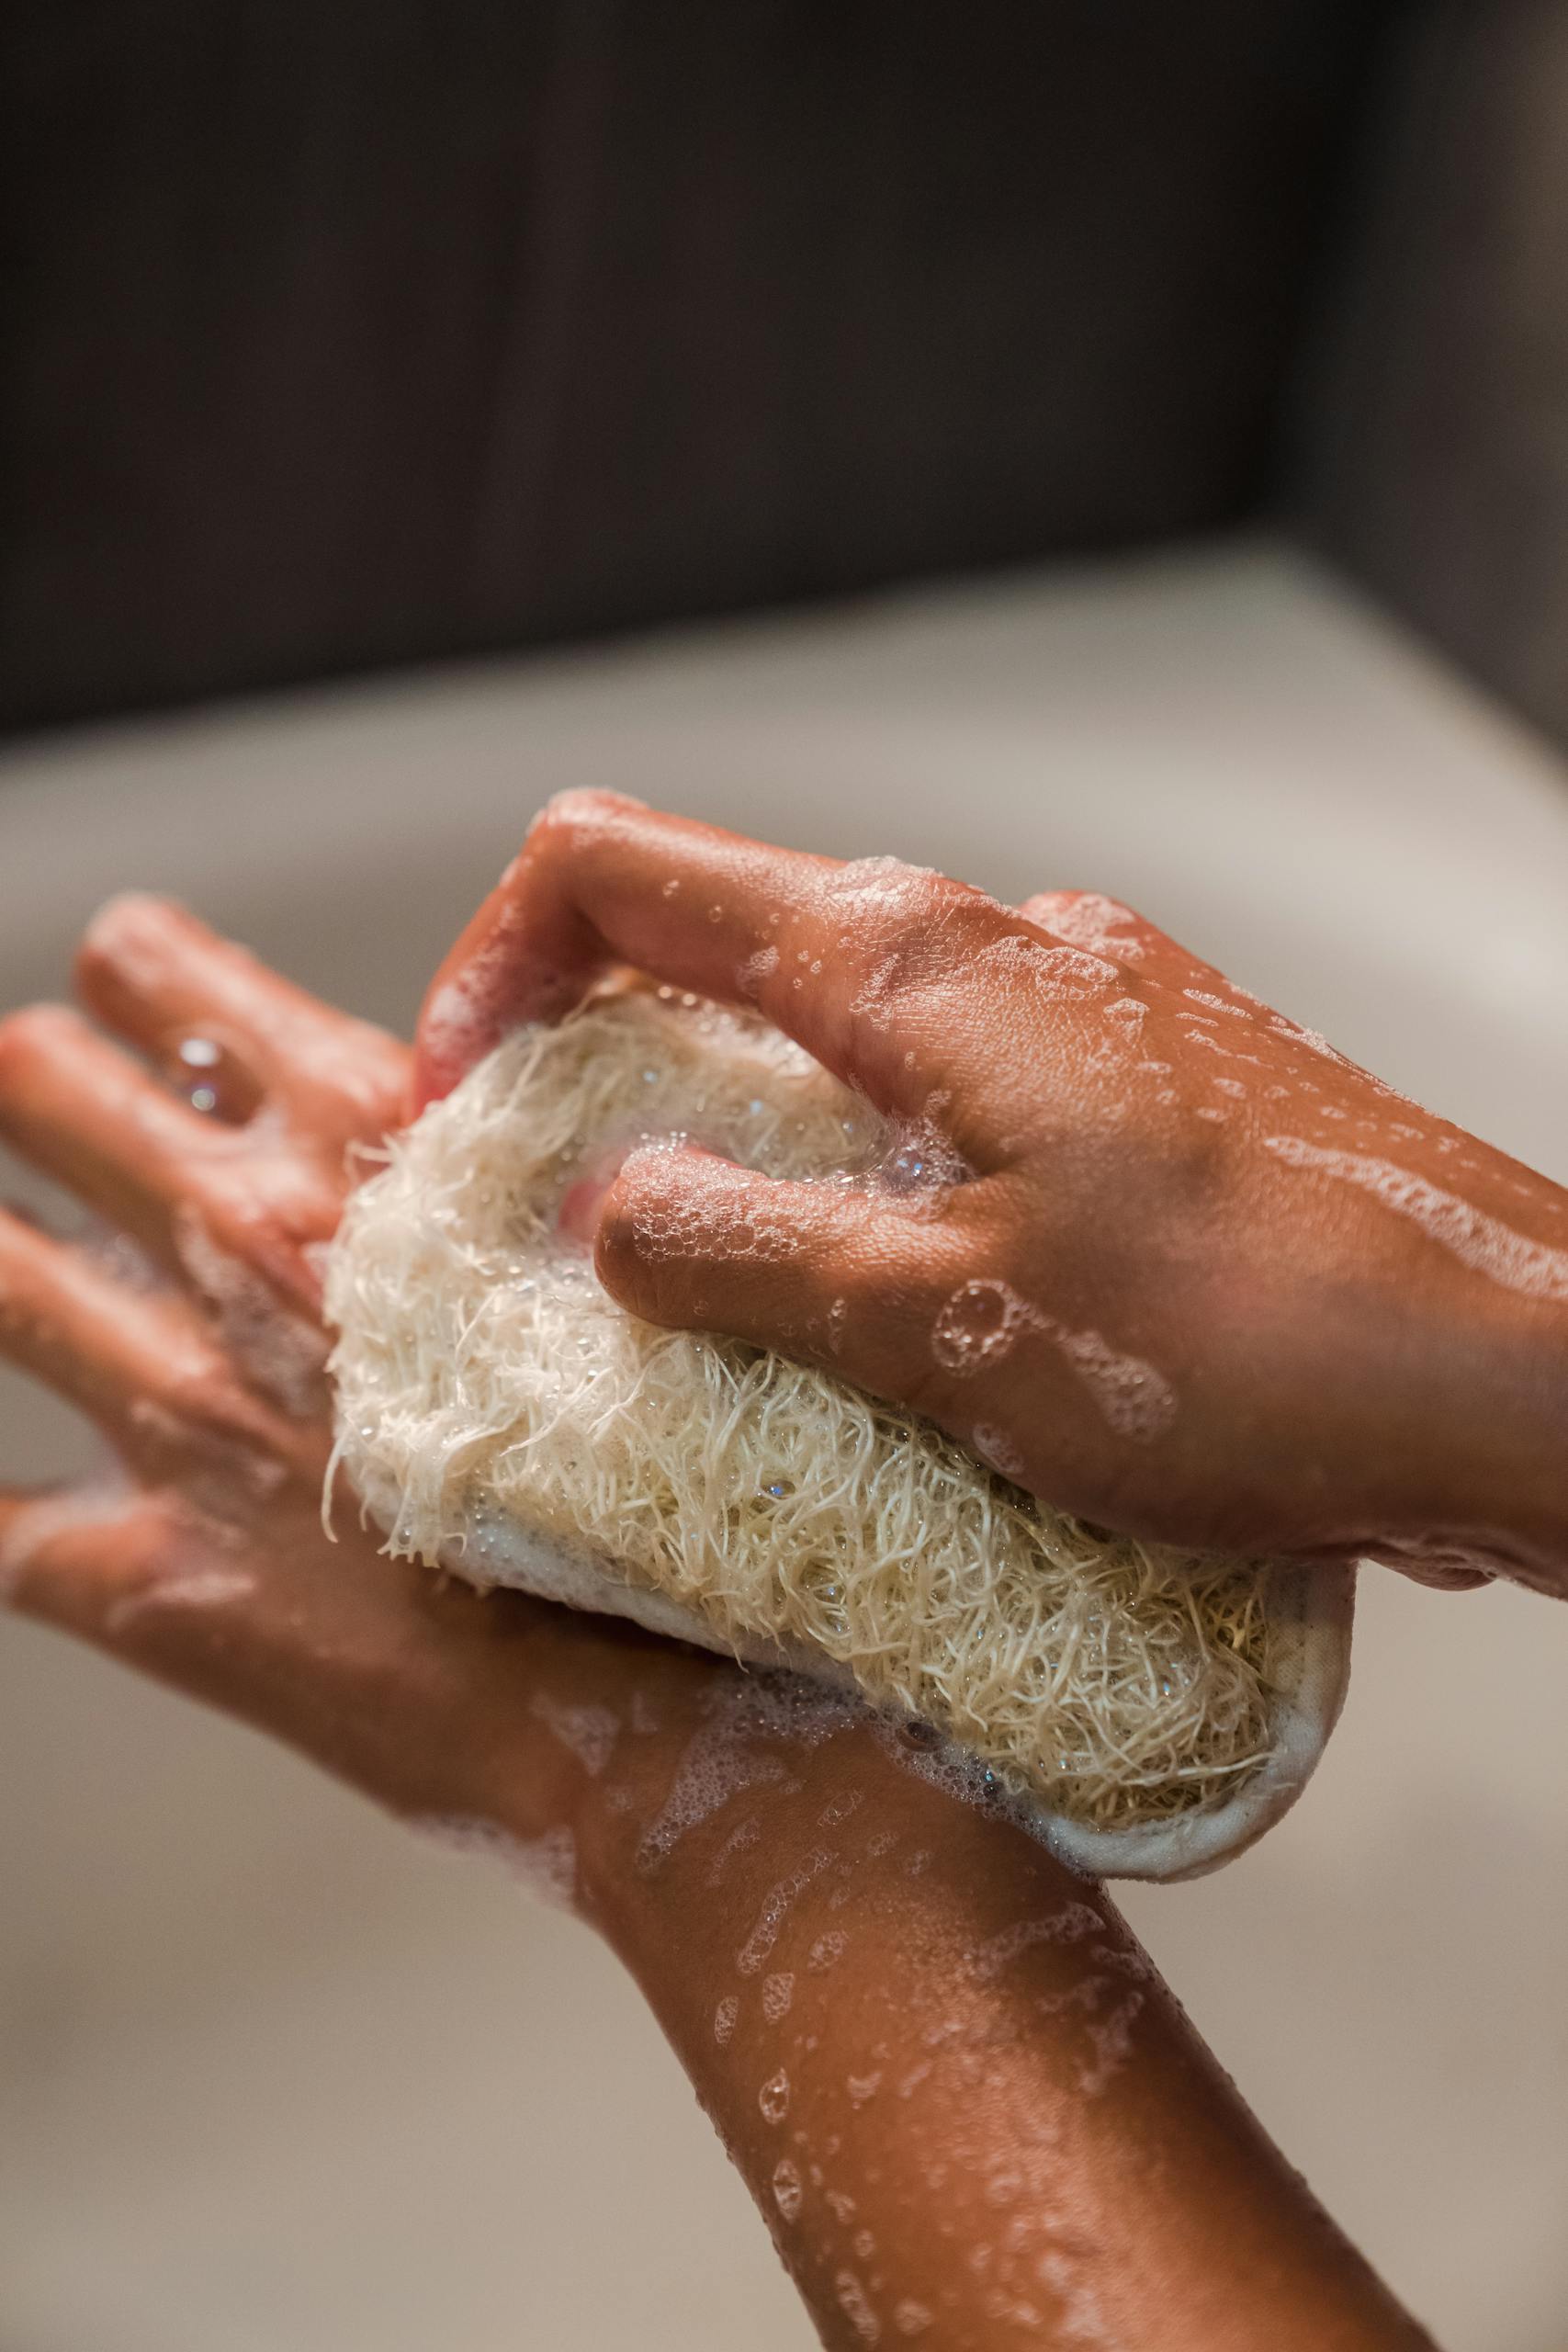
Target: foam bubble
(283, 1355)
(774, 2097)
(547, 1865)
(589, 1733)
(1314, 1042)
(997, 1449)
(756, 968)
(35, 1527)
(202, 1589)
(1480, 1242)
(1059, 975)
(778, 1992)
(977, 1325)
(921, 1163)
(873, 1001)
(1088, 920)
(722, 1756)
(1070, 1925)
(745, 1834)
(778, 1902)
(1137, 1401)
(856, 2306)
(1112, 2041)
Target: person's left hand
(200, 1555)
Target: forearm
(1511, 1440)
(1459, 1388)
(965, 2105)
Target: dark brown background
(1436, 416)
(363, 331)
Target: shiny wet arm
(968, 2109)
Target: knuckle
(1088, 918)
(629, 1266)
(581, 808)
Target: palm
(205, 1561)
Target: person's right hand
(1194, 1274)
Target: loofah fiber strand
(488, 1388)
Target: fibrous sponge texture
(488, 1388)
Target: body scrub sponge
(1146, 1712)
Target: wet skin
(1204, 1280)
(968, 2110)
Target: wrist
(1488, 1479)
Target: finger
(141, 1365)
(162, 979)
(86, 1113)
(824, 1272)
(66, 1555)
(873, 967)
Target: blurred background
(1093, 443)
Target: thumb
(825, 1271)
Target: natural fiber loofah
(501, 1416)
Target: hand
(1200, 1277)
(201, 1557)
(828, 1941)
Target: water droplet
(774, 2097)
(788, 2193)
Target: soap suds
(546, 1864)
(202, 1589)
(1480, 1242)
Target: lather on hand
(1203, 1280)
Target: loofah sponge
(1146, 1712)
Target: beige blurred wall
(273, 2075)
